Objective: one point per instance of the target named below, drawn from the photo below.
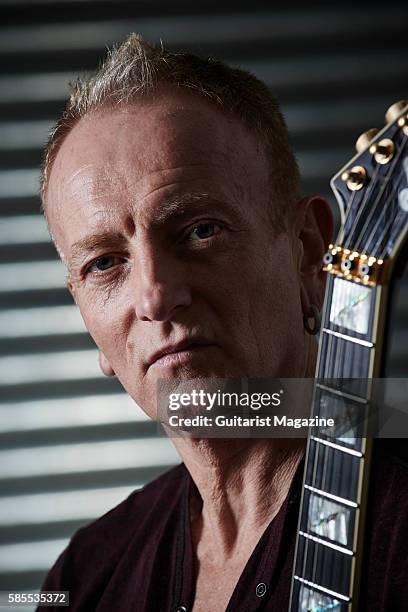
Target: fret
(323, 565)
(343, 449)
(342, 500)
(340, 358)
(328, 519)
(333, 471)
(350, 396)
(314, 585)
(341, 549)
(311, 600)
(350, 413)
(349, 338)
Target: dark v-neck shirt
(139, 556)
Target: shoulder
(389, 485)
(387, 519)
(141, 506)
(390, 466)
(97, 547)
(388, 494)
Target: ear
(105, 365)
(313, 231)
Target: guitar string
(345, 353)
(391, 200)
(360, 210)
(330, 375)
(316, 460)
(325, 450)
(398, 230)
(313, 482)
(326, 482)
(377, 203)
(334, 357)
(332, 353)
(306, 510)
(394, 231)
(326, 476)
(389, 203)
(340, 234)
(392, 219)
(387, 232)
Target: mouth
(179, 353)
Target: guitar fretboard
(335, 466)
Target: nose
(161, 286)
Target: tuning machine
(364, 140)
(355, 178)
(395, 110)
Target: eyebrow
(91, 243)
(180, 205)
(172, 208)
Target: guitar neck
(330, 533)
(372, 192)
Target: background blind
(72, 445)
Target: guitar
(372, 192)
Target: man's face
(160, 210)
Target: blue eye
(205, 230)
(103, 263)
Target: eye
(104, 263)
(205, 230)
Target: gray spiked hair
(136, 69)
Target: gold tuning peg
(364, 140)
(395, 110)
(355, 178)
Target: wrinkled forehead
(129, 152)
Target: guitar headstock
(372, 192)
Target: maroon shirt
(139, 555)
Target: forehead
(122, 160)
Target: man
(172, 195)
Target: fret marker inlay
(350, 306)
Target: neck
(242, 485)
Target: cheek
(273, 311)
(106, 324)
